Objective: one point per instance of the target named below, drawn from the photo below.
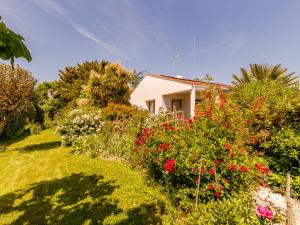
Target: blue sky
(210, 36)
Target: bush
(283, 150)
(35, 128)
(115, 140)
(267, 104)
(219, 136)
(122, 112)
(237, 210)
(17, 97)
(79, 123)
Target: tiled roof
(187, 81)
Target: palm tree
(263, 72)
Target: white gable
(153, 88)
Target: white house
(158, 93)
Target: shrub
(79, 123)
(237, 210)
(115, 140)
(219, 136)
(17, 97)
(122, 112)
(267, 104)
(283, 150)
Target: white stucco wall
(152, 88)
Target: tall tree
(265, 72)
(12, 45)
(109, 85)
(72, 78)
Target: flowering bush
(213, 144)
(79, 123)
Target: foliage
(259, 72)
(115, 140)
(111, 84)
(48, 98)
(17, 97)
(172, 153)
(72, 78)
(121, 112)
(11, 45)
(236, 210)
(283, 150)
(79, 123)
(267, 104)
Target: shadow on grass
(40, 147)
(76, 199)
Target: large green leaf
(12, 45)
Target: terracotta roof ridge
(184, 80)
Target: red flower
(217, 161)
(212, 171)
(232, 167)
(228, 147)
(244, 168)
(211, 187)
(262, 169)
(232, 155)
(218, 194)
(169, 165)
(164, 146)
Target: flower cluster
(144, 135)
(262, 169)
(264, 212)
(169, 165)
(77, 124)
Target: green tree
(11, 45)
(109, 85)
(72, 78)
(265, 72)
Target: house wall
(152, 88)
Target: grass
(43, 183)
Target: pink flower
(212, 171)
(169, 165)
(264, 212)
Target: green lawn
(44, 183)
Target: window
(176, 104)
(151, 106)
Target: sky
(213, 37)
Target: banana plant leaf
(12, 45)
